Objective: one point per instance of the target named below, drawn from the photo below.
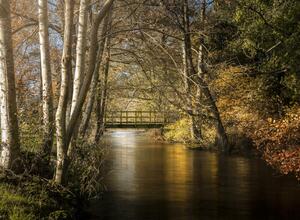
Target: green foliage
(30, 198)
(179, 131)
(266, 40)
(14, 205)
(31, 131)
(59, 215)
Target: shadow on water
(151, 180)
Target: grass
(16, 206)
(33, 198)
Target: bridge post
(142, 119)
(121, 114)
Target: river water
(151, 180)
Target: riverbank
(276, 141)
(31, 197)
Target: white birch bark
(47, 94)
(10, 146)
(95, 81)
(80, 51)
(64, 134)
(66, 71)
(91, 67)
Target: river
(152, 180)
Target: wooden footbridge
(136, 119)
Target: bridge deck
(135, 119)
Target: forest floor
(30, 198)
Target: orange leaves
(246, 109)
(279, 142)
(287, 161)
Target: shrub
(87, 169)
(179, 131)
(29, 197)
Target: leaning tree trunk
(47, 94)
(222, 139)
(96, 80)
(91, 68)
(201, 59)
(79, 64)
(10, 146)
(65, 133)
(188, 71)
(195, 134)
(101, 93)
(80, 51)
(101, 99)
(66, 71)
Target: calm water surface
(150, 180)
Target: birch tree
(65, 132)
(10, 147)
(96, 81)
(91, 67)
(47, 94)
(80, 51)
(66, 71)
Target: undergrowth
(30, 197)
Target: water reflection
(165, 181)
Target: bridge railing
(136, 117)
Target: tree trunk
(46, 80)
(79, 65)
(80, 51)
(188, 70)
(201, 51)
(95, 81)
(66, 71)
(10, 146)
(91, 68)
(202, 86)
(101, 98)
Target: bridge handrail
(136, 117)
